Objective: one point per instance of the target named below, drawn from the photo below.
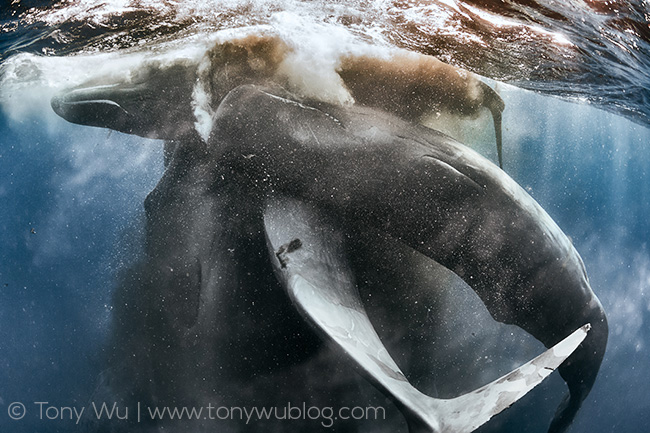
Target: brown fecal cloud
(406, 84)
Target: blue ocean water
(71, 217)
(590, 171)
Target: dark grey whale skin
(203, 320)
(205, 276)
(430, 192)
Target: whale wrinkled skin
(206, 279)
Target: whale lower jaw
(308, 256)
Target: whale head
(156, 102)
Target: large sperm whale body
(510, 252)
(360, 169)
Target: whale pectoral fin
(493, 102)
(496, 117)
(309, 257)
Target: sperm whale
(433, 194)
(364, 168)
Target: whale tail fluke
(308, 254)
(469, 411)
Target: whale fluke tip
(468, 412)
